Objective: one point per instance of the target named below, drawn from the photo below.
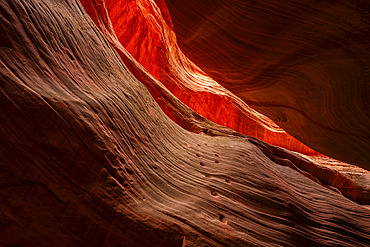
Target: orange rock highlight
(144, 28)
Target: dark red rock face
(304, 64)
(88, 158)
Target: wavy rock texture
(88, 158)
(146, 31)
(352, 181)
(304, 64)
(355, 189)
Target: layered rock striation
(304, 64)
(88, 158)
(98, 11)
(145, 30)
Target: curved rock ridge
(88, 158)
(356, 180)
(304, 64)
(327, 176)
(146, 31)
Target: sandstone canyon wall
(304, 64)
(145, 29)
(88, 158)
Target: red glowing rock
(145, 30)
(177, 111)
(88, 158)
(304, 64)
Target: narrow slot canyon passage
(145, 30)
(184, 123)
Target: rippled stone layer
(173, 108)
(88, 158)
(144, 28)
(304, 64)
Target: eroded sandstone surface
(304, 64)
(88, 158)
